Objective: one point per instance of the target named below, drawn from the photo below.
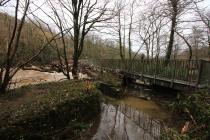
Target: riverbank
(57, 110)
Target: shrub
(198, 107)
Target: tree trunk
(4, 84)
(124, 85)
(209, 47)
(68, 76)
(147, 55)
(3, 88)
(209, 52)
(173, 27)
(75, 69)
(188, 44)
(171, 41)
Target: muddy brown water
(27, 77)
(130, 118)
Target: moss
(55, 105)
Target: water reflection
(149, 107)
(121, 122)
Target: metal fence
(204, 76)
(192, 71)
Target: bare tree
(11, 64)
(57, 19)
(130, 30)
(186, 40)
(6, 72)
(175, 9)
(144, 36)
(84, 14)
(205, 18)
(121, 40)
(123, 26)
(149, 28)
(3, 2)
(197, 41)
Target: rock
(147, 89)
(144, 97)
(148, 98)
(118, 90)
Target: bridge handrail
(191, 71)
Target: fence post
(199, 72)
(188, 69)
(173, 74)
(156, 61)
(142, 72)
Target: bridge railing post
(199, 73)
(173, 72)
(188, 70)
(155, 74)
(142, 72)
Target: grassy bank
(59, 110)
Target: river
(130, 118)
(26, 77)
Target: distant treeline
(32, 40)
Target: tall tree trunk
(190, 52)
(129, 47)
(76, 41)
(171, 40)
(75, 68)
(5, 83)
(174, 12)
(3, 89)
(209, 51)
(209, 41)
(147, 54)
(75, 57)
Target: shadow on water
(156, 91)
(130, 119)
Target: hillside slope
(32, 40)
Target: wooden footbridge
(177, 74)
